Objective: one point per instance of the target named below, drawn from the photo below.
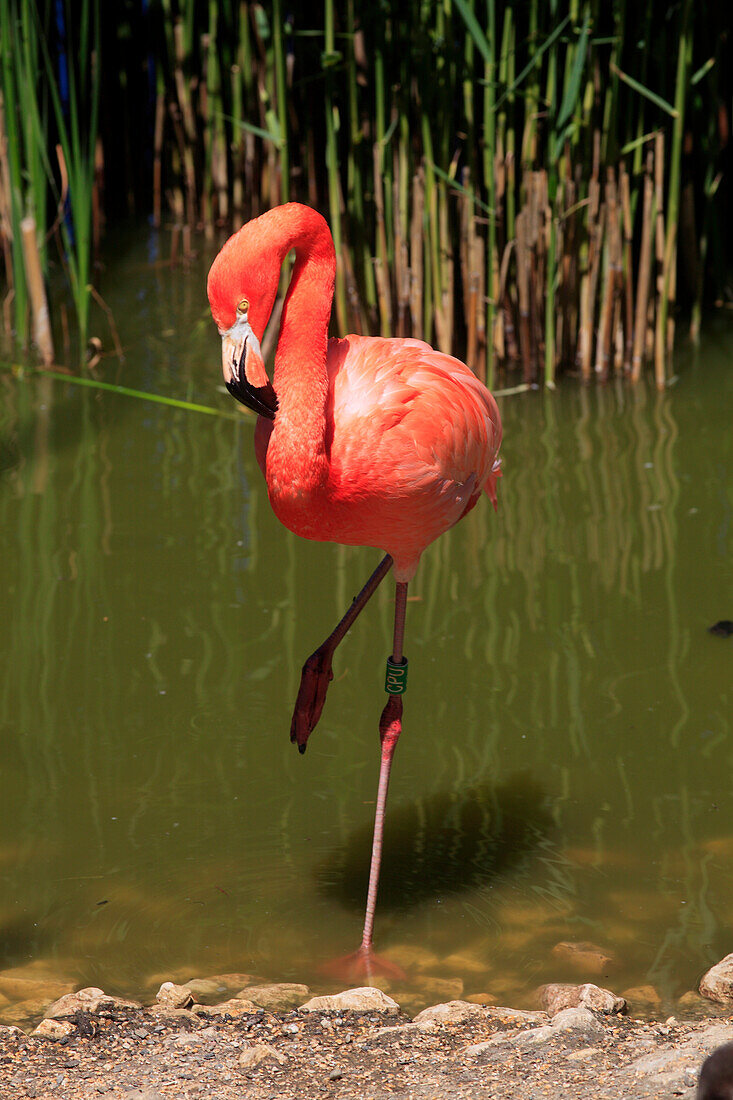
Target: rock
(275, 998)
(577, 1019)
(53, 1029)
(362, 999)
(583, 956)
(252, 1056)
(205, 987)
(476, 1049)
(91, 999)
(10, 1031)
(667, 1068)
(515, 1015)
(236, 1006)
(481, 999)
(642, 998)
(556, 996)
(165, 1012)
(717, 983)
(174, 996)
(452, 1012)
(398, 1031)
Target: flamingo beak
(244, 370)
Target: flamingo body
(410, 439)
(364, 440)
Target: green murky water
(565, 768)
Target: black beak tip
(261, 399)
(301, 749)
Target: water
(564, 772)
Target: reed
(484, 171)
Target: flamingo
(366, 441)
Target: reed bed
(506, 182)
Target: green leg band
(395, 682)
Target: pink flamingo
(365, 441)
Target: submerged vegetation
(531, 186)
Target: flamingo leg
(390, 728)
(317, 671)
(363, 961)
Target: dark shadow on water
(443, 844)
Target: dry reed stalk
(98, 216)
(644, 276)
(499, 341)
(416, 253)
(628, 269)
(613, 251)
(402, 274)
(523, 282)
(469, 277)
(510, 344)
(207, 221)
(672, 301)
(590, 278)
(189, 127)
(536, 281)
(448, 273)
(37, 290)
(158, 156)
(6, 231)
(659, 335)
(479, 269)
(500, 176)
(381, 271)
(237, 146)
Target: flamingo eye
(242, 307)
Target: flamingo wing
(404, 415)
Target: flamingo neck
(301, 379)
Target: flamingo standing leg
(363, 960)
(317, 671)
(390, 728)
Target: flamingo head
(242, 285)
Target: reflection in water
(443, 844)
(155, 620)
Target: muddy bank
(458, 1049)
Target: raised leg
(317, 672)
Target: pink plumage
(364, 440)
(381, 442)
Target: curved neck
(301, 380)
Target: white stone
(252, 1056)
(361, 999)
(174, 996)
(53, 1029)
(452, 1012)
(557, 996)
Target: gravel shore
(456, 1050)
